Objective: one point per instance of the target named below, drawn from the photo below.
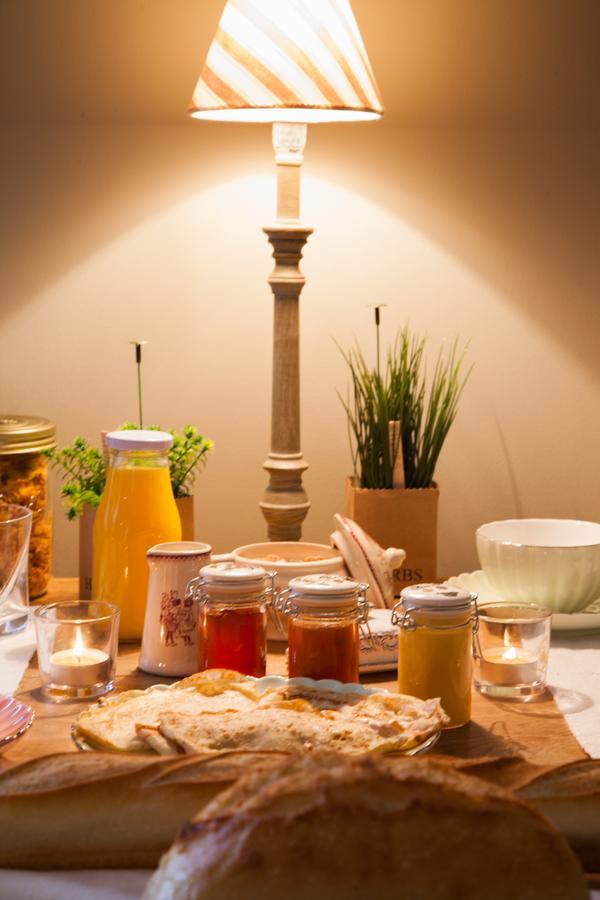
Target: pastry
(206, 713)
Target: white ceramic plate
(275, 681)
(585, 622)
(15, 719)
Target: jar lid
(230, 574)
(140, 439)
(432, 596)
(324, 590)
(26, 434)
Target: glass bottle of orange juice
(137, 510)
(436, 624)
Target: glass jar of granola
(24, 481)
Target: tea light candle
(79, 667)
(508, 665)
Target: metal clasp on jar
(283, 603)
(363, 607)
(401, 617)
(193, 590)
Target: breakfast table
(561, 726)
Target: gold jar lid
(25, 434)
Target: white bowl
(553, 562)
(293, 565)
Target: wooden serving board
(535, 730)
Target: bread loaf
(328, 828)
(107, 810)
(569, 796)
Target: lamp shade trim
(270, 56)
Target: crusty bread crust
(107, 810)
(74, 810)
(323, 827)
(569, 796)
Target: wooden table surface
(535, 730)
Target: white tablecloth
(87, 884)
(573, 675)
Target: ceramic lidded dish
(289, 559)
(552, 562)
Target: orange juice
(137, 511)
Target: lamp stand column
(285, 502)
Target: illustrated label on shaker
(169, 643)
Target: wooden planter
(400, 517)
(185, 507)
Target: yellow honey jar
(436, 625)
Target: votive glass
(77, 644)
(510, 650)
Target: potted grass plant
(82, 468)
(399, 417)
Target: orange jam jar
(436, 624)
(232, 617)
(324, 613)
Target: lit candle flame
(78, 647)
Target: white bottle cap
(140, 439)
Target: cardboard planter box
(400, 517)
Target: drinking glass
(15, 530)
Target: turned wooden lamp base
(285, 502)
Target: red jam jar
(324, 613)
(232, 617)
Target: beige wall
(112, 230)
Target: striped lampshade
(287, 61)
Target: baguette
(569, 796)
(107, 810)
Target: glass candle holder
(77, 648)
(511, 650)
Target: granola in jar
(24, 481)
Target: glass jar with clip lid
(233, 602)
(436, 625)
(24, 482)
(325, 614)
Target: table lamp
(288, 63)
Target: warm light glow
(283, 114)
(287, 61)
(511, 653)
(78, 647)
